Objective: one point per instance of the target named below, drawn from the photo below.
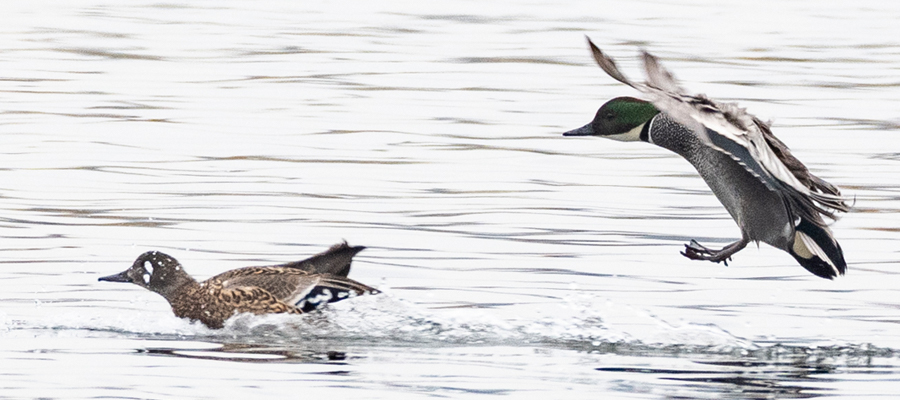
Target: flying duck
(769, 193)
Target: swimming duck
(294, 288)
(770, 194)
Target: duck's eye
(610, 116)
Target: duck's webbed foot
(697, 251)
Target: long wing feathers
(347, 285)
(731, 130)
(708, 118)
(737, 126)
(608, 65)
(658, 76)
(328, 289)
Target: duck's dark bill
(586, 130)
(120, 277)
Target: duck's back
(281, 282)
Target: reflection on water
(241, 352)
(778, 371)
(514, 262)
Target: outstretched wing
(731, 130)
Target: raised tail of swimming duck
(816, 250)
(336, 260)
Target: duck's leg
(696, 251)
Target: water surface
(514, 262)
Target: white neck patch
(633, 135)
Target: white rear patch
(323, 297)
(806, 247)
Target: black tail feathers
(336, 260)
(817, 251)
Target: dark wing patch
(740, 154)
(770, 160)
(331, 289)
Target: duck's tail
(816, 250)
(336, 260)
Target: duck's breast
(760, 212)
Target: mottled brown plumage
(293, 288)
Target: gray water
(514, 262)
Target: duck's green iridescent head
(622, 118)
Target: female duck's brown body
(292, 288)
(211, 303)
